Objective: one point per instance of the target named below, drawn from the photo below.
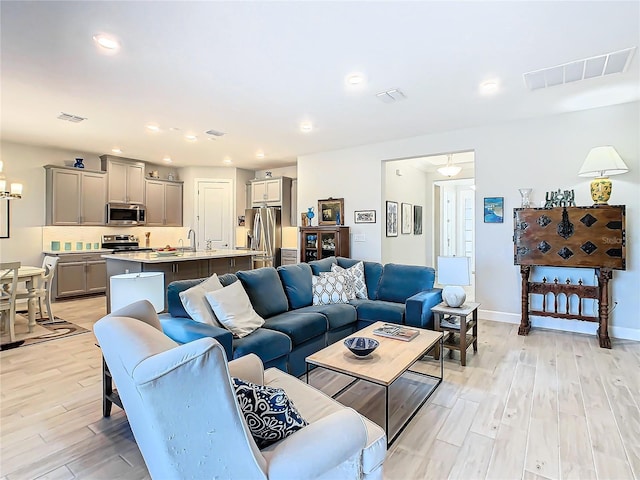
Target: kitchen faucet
(192, 242)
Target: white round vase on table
(453, 295)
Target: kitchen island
(181, 265)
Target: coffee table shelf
(383, 367)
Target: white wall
(290, 171)
(410, 187)
(543, 153)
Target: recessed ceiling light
(226, 160)
(116, 150)
(260, 154)
(153, 128)
(106, 42)
(167, 160)
(191, 138)
(306, 127)
(489, 87)
(355, 79)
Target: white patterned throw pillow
(331, 288)
(356, 272)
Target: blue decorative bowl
(361, 346)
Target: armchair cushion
(269, 413)
(233, 310)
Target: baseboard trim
(574, 326)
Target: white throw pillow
(356, 272)
(331, 288)
(234, 311)
(196, 305)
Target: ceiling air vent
(215, 133)
(390, 96)
(71, 118)
(614, 62)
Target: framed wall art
(331, 211)
(392, 219)
(364, 216)
(407, 218)
(493, 209)
(417, 219)
(4, 218)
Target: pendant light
(449, 170)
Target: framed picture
(331, 211)
(392, 219)
(407, 218)
(493, 209)
(417, 219)
(4, 218)
(364, 216)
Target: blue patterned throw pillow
(269, 413)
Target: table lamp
(600, 163)
(453, 273)
(131, 287)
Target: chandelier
(449, 170)
(15, 190)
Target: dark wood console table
(587, 237)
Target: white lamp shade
(131, 287)
(453, 271)
(602, 161)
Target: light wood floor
(550, 405)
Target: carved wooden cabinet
(586, 237)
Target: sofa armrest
(319, 447)
(185, 330)
(418, 308)
(248, 368)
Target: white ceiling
(255, 70)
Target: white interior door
(215, 214)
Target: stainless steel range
(123, 243)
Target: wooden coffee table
(382, 367)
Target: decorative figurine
(560, 198)
(79, 163)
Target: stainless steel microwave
(126, 214)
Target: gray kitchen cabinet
(79, 274)
(75, 196)
(163, 202)
(289, 256)
(126, 179)
(294, 203)
(229, 265)
(275, 192)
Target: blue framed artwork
(493, 209)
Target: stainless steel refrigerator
(264, 230)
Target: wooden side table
(454, 321)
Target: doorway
(214, 200)
(454, 223)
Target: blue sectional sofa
(295, 328)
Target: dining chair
(43, 289)
(8, 288)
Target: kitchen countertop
(152, 257)
(75, 252)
